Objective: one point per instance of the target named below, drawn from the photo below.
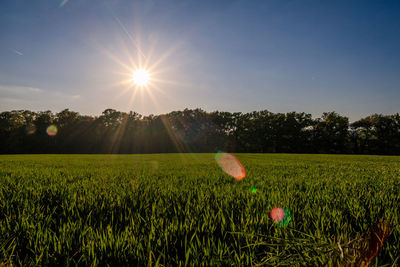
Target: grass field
(182, 209)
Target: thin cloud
(18, 89)
(16, 103)
(18, 52)
(32, 89)
(25, 97)
(58, 94)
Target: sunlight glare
(141, 77)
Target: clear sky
(305, 56)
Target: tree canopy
(195, 130)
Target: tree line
(195, 130)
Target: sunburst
(141, 77)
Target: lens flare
(372, 242)
(281, 216)
(253, 189)
(52, 130)
(230, 165)
(63, 2)
(30, 129)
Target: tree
(195, 130)
(331, 133)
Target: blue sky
(305, 56)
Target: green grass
(181, 209)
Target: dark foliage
(195, 130)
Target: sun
(141, 77)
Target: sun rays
(142, 69)
(144, 75)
